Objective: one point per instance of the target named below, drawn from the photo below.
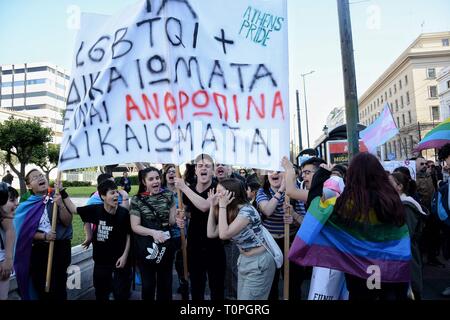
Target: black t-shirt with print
(110, 235)
(197, 235)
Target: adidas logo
(154, 253)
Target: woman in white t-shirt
(7, 238)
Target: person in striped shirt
(271, 204)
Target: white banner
(392, 165)
(166, 80)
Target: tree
(46, 157)
(20, 138)
(3, 162)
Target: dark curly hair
(444, 152)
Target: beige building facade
(410, 88)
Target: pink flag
(381, 131)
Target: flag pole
(52, 243)
(286, 252)
(182, 233)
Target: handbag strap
(261, 242)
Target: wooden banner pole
(183, 236)
(286, 253)
(52, 243)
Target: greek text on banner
(166, 80)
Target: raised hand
(226, 198)
(282, 188)
(180, 184)
(213, 198)
(286, 164)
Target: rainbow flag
(26, 222)
(436, 138)
(324, 240)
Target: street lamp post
(306, 106)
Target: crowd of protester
(224, 215)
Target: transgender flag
(381, 131)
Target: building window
(403, 118)
(409, 117)
(400, 84)
(432, 92)
(411, 141)
(390, 92)
(398, 122)
(402, 103)
(378, 102)
(385, 96)
(382, 99)
(445, 42)
(435, 114)
(408, 100)
(395, 88)
(394, 144)
(448, 84)
(396, 105)
(400, 147)
(431, 73)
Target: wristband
(63, 193)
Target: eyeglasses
(35, 177)
(306, 172)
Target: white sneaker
(446, 292)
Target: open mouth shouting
(220, 172)
(155, 186)
(171, 178)
(275, 179)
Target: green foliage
(81, 192)
(67, 184)
(85, 192)
(46, 157)
(78, 231)
(77, 183)
(22, 139)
